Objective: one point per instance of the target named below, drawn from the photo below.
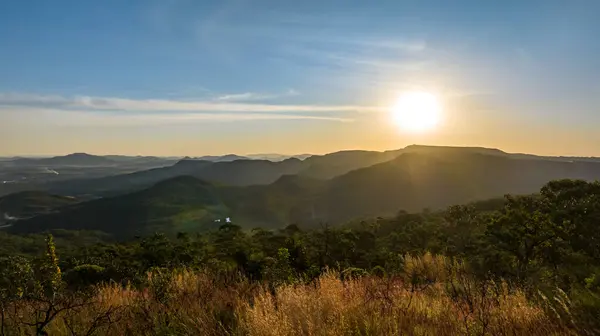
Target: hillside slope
(32, 203)
(124, 183)
(412, 182)
(234, 173)
(287, 200)
(180, 204)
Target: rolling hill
(124, 183)
(234, 173)
(179, 204)
(288, 200)
(32, 203)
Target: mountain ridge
(74, 159)
(245, 172)
(410, 182)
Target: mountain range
(194, 195)
(247, 172)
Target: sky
(185, 77)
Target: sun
(417, 111)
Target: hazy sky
(191, 77)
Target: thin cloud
(254, 96)
(335, 30)
(242, 97)
(79, 118)
(30, 99)
(381, 63)
(161, 105)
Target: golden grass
(430, 299)
(374, 307)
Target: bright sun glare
(417, 112)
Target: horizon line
(33, 156)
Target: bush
(84, 276)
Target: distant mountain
(233, 157)
(88, 160)
(223, 158)
(124, 183)
(23, 174)
(446, 150)
(124, 159)
(75, 159)
(235, 173)
(338, 163)
(277, 157)
(302, 156)
(246, 172)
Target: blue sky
(182, 77)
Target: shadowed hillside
(416, 181)
(180, 204)
(290, 199)
(235, 173)
(119, 184)
(31, 203)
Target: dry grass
(376, 307)
(432, 298)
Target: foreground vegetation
(527, 265)
(432, 297)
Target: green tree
(520, 234)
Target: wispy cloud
(76, 118)
(331, 44)
(226, 34)
(162, 105)
(334, 29)
(255, 96)
(86, 110)
(242, 97)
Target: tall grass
(433, 296)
